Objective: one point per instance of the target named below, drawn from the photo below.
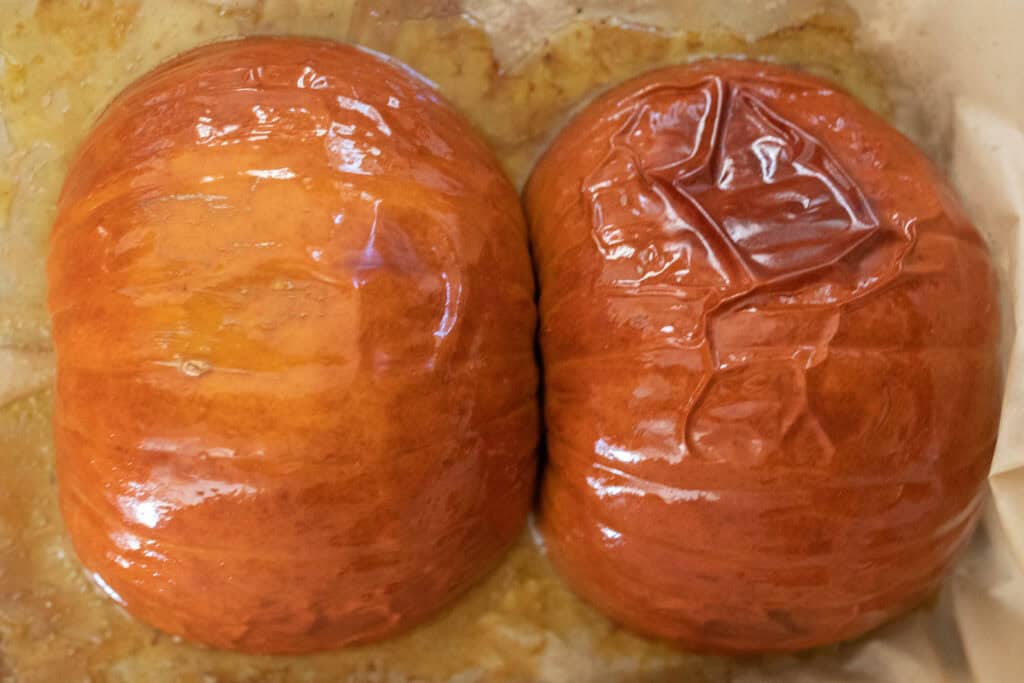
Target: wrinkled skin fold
(769, 341)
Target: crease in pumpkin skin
(724, 242)
(744, 255)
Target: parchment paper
(955, 75)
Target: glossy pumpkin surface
(769, 341)
(293, 309)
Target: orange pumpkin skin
(769, 339)
(293, 310)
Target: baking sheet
(517, 69)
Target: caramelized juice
(60, 63)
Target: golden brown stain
(86, 25)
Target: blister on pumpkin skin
(769, 345)
(293, 313)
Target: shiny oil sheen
(293, 312)
(770, 355)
